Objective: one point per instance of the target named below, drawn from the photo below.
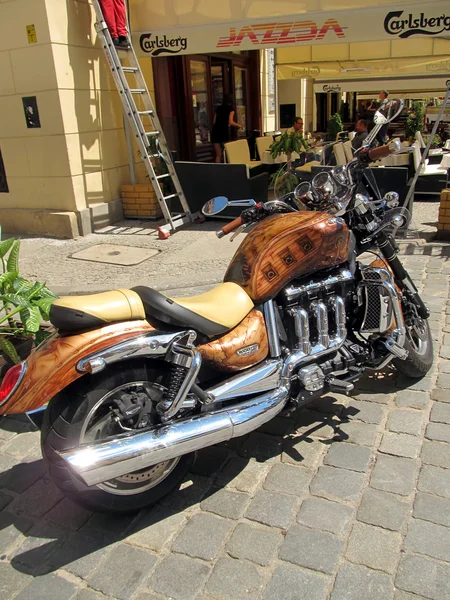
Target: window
(200, 102)
(240, 90)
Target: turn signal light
(11, 380)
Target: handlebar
(380, 152)
(229, 227)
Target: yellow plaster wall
(78, 157)
(36, 161)
(91, 108)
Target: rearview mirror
(219, 203)
(215, 206)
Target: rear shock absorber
(175, 379)
(185, 365)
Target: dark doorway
(189, 89)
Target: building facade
(63, 150)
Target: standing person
(223, 119)
(382, 134)
(115, 15)
(361, 134)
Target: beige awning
(171, 27)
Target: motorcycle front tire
(67, 417)
(420, 354)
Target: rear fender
(56, 363)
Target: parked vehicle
(137, 382)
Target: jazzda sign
(279, 34)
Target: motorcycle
(135, 382)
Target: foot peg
(339, 386)
(395, 349)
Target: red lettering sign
(333, 25)
(275, 34)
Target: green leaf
(8, 349)
(22, 285)
(5, 246)
(15, 299)
(13, 258)
(44, 306)
(6, 279)
(31, 318)
(34, 290)
(46, 293)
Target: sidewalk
(189, 262)
(193, 257)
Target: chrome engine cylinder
(322, 325)
(301, 323)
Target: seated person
(297, 127)
(306, 155)
(361, 134)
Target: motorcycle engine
(316, 320)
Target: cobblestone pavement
(346, 499)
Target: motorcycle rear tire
(62, 429)
(418, 363)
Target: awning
(167, 28)
(340, 71)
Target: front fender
(52, 366)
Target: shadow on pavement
(75, 538)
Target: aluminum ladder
(145, 126)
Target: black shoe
(123, 42)
(115, 41)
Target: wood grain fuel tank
(286, 246)
(242, 347)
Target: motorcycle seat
(74, 313)
(213, 313)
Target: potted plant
(287, 143)
(334, 125)
(24, 305)
(284, 179)
(415, 120)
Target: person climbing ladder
(115, 15)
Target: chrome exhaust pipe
(96, 463)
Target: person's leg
(108, 10)
(121, 17)
(218, 151)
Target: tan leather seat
(226, 304)
(212, 313)
(73, 313)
